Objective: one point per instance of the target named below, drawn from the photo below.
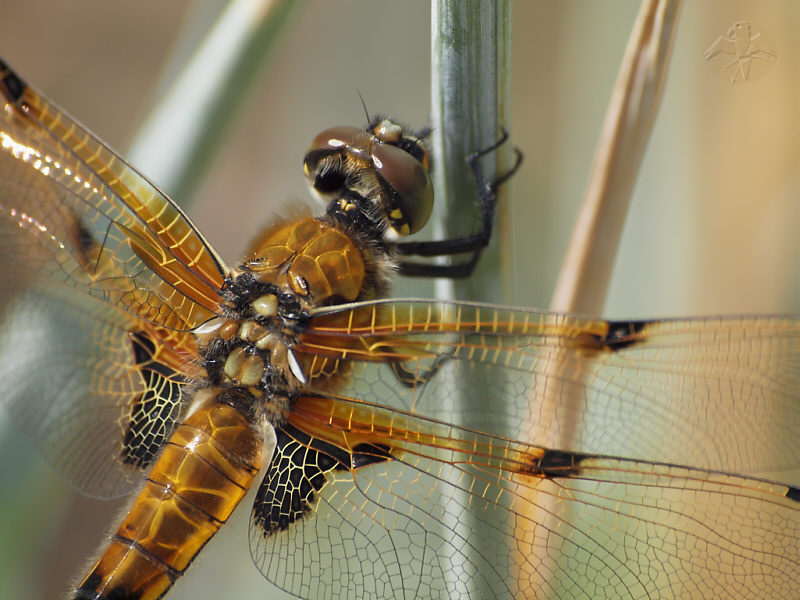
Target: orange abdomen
(203, 472)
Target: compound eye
(337, 139)
(411, 184)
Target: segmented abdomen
(204, 471)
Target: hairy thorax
(293, 268)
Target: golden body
(205, 469)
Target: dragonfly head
(381, 173)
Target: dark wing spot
(85, 245)
(300, 467)
(155, 413)
(369, 454)
(85, 239)
(11, 86)
(555, 463)
(143, 348)
(793, 493)
(622, 334)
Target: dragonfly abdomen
(203, 472)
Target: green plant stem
(471, 43)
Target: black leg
(415, 378)
(475, 243)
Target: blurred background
(712, 226)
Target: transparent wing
(363, 502)
(414, 467)
(103, 276)
(74, 211)
(713, 393)
(95, 391)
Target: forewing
(73, 211)
(365, 502)
(713, 393)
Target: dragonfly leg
(475, 243)
(413, 378)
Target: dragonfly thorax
(294, 267)
(249, 348)
(312, 260)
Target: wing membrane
(440, 511)
(715, 393)
(103, 276)
(73, 384)
(74, 211)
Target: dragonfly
(422, 448)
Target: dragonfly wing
(361, 501)
(72, 210)
(106, 397)
(715, 393)
(104, 272)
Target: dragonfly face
(590, 458)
